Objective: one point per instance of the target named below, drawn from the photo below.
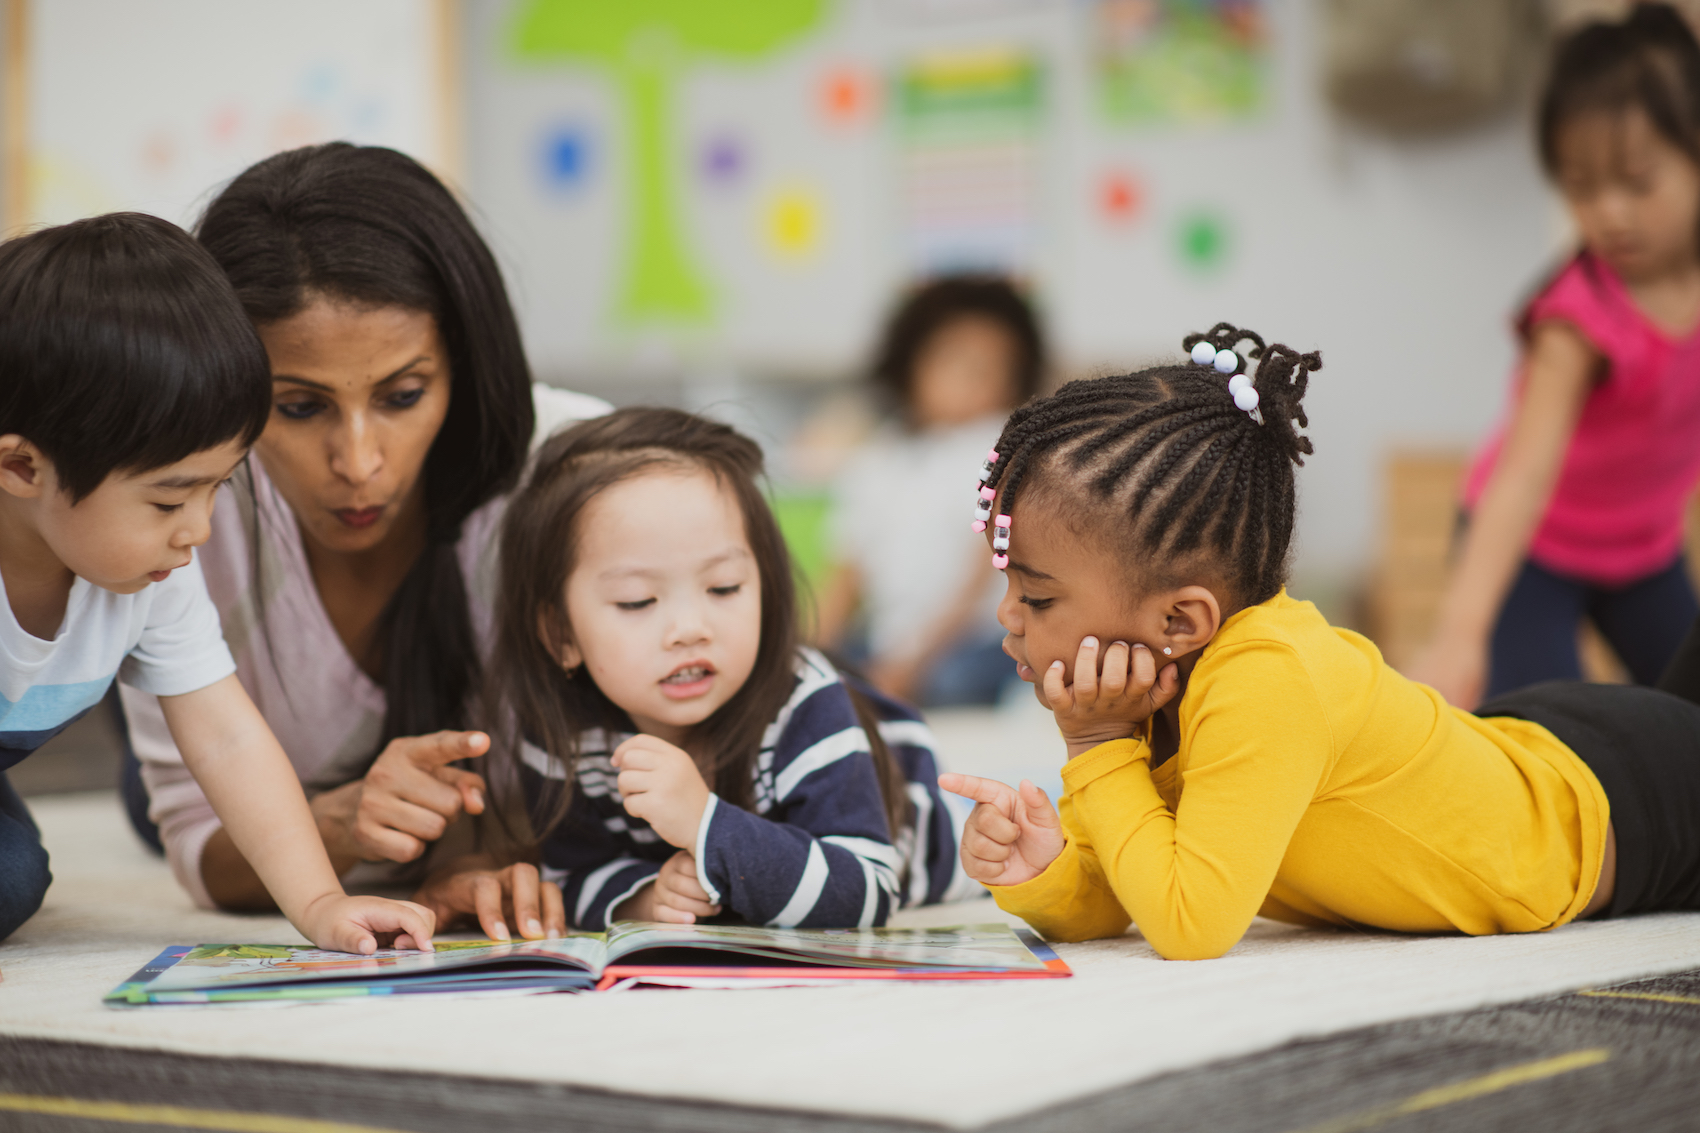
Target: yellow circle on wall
(791, 222)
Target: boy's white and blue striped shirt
(164, 639)
(814, 852)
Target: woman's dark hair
(935, 305)
(122, 349)
(1648, 61)
(1197, 486)
(530, 696)
(370, 226)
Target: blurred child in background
(957, 356)
(1576, 503)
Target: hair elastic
(983, 508)
(983, 500)
(1000, 542)
(1226, 361)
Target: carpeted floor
(1117, 1047)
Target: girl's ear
(557, 641)
(1193, 617)
(22, 467)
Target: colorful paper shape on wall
(565, 156)
(1121, 197)
(722, 160)
(968, 125)
(791, 223)
(1202, 240)
(644, 46)
(1186, 61)
(846, 96)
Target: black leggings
(1643, 745)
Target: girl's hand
(341, 923)
(1096, 710)
(662, 786)
(516, 895)
(1012, 835)
(675, 896)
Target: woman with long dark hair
(350, 563)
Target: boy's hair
(1196, 487)
(1649, 61)
(369, 226)
(935, 305)
(123, 349)
(530, 692)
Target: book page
(981, 947)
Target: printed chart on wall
(152, 106)
(679, 186)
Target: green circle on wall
(1203, 240)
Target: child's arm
(249, 780)
(1559, 375)
(820, 857)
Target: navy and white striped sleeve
(818, 855)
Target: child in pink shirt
(1577, 500)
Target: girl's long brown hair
(530, 695)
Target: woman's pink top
(1616, 514)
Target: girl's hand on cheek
(1096, 709)
(661, 785)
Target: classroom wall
(1402, 261)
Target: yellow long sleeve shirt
(1314, 784)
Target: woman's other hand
(1012, 835)
(406, 801)
(516, 895)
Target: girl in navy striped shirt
(678, 754)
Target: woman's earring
(1167, 651)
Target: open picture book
(631, 952)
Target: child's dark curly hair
(1203, 487)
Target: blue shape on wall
(566, 157)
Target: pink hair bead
(1000, 561)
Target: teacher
(350, 560)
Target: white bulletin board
(151, 106)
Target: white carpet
(960, 1055)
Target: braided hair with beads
(1196, 483)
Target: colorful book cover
(630, 953)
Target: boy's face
(134, 529)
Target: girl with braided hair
(1230, 753)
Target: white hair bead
(1203, 353)
(1239, 382)
(1246, 398)
(1227, 361)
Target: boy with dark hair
(131, 386)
